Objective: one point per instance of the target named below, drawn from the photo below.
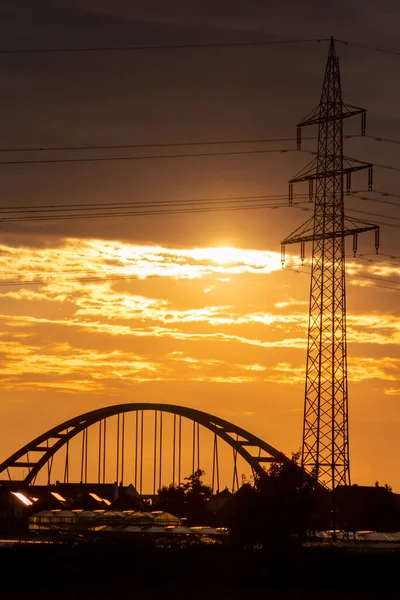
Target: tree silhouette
(171, 498)
(195, 486)
(186, 500)
(278, 509)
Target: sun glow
(238, 258)
(224, 255)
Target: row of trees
(279, 507)
(282, 507)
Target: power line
(374, 260)
(90, 272)
(94, 147)
(365, 212)
(394, 281)
(144, 157)
(381, 139)
(379, 200)
(140, 208)
(368, 47)
(188, 210)
(101, 147)
(94, 49)
(387, 194)
(375, 221)
(7, 283)
(98, 147)
(367, 198)
(396, 289)
(363, 162)
(155, 145)
(142, 203)
(393, 256)
(12, 283)
(158, 47)
(135, 213)
(388, 167)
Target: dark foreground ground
(119, 570)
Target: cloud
(385, 369)
(75, 328)
(291, 302)
(83, 260)
(392, 392)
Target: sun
(225, 255)
(239, 259)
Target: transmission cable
(96, 147)
(159, 46)
(375, 260)
(367, 47)
(99, 147)
(89, 278)
(375, 221)
(155, 145)
(396, 289)
(55, 278)
(388, 167)
(378, 200)
(382, 139)
(365, 212)
(143, 157)
(188, 210)
(146, 204)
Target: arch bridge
(149, 445)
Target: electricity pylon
(325, 447)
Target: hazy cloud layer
(80, 316)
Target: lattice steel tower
(325, 447)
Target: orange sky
(219, 329)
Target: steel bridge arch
(45, 446)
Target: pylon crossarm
(330, 173)
(314, 118)
(305, 171)
(337, 117)
(328, 236)
(353, 110)
(311, 115)
(299, 232)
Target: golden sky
(221, 329)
